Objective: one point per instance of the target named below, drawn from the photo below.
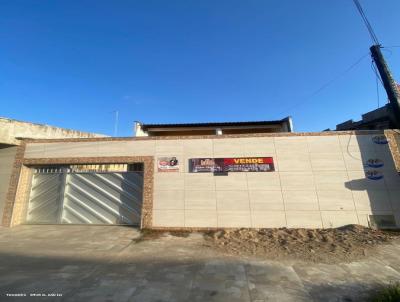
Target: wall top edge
(88, 160)
(250, 135)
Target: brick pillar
(393, 137)
(147, 208)
(22, 196)
(12, 188)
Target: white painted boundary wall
(11, 129)
(319, 180)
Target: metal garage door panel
(45, 202)
(103, 198)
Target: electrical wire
(326, 85)
(377, 75)
(366, 22)
(377, 90)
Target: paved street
(95, 263)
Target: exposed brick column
(393, 137)
(147, 208)
(13, 185)
(22, 196)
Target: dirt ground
(335, 245)
(345, 244)
(119, 263)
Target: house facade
(258, 180)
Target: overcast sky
(73, 63)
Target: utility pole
(116, 122)
(387, 78)
(388, 82)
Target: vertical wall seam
(313, 178)
(384, 178)
(280, 183)
(184, 195)
(248, 197)
(215, 185)
(348, 176)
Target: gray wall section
(7, 155)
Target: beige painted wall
(319, 180)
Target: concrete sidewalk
(96, 263)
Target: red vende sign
(248, 160)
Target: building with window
(191, 129)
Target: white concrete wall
(319, 180)
(11, 129)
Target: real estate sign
(168, 164)
(234, 164)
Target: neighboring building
(378, 119)
(259, 180)
(11, 130)
(284, 125)
(11, 133)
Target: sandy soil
(343, 244)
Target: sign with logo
(235, 164)
(374, 174)
(380, 139)
(168, 164)
(374, 163)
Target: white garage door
(64, 197)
